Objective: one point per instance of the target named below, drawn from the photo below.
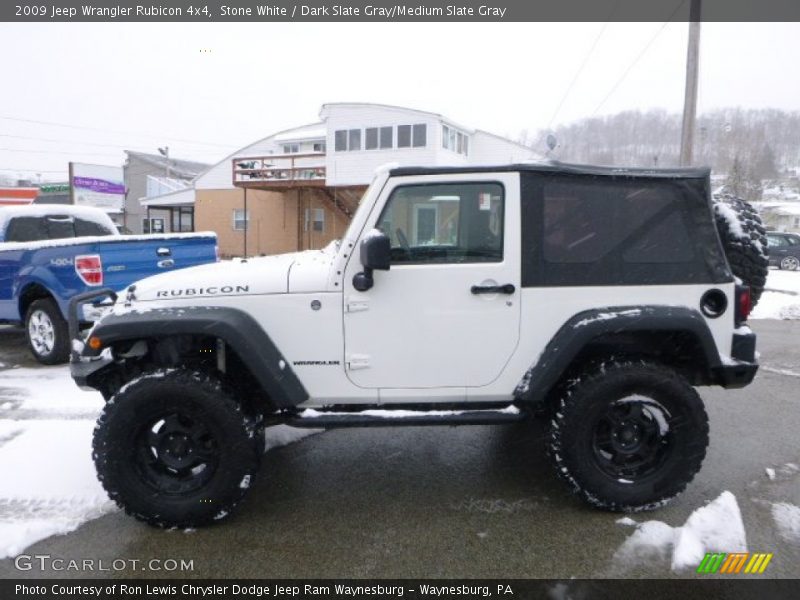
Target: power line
(32, 170)
(80, 143)
(580, 69)
(24, 151)
(638, 57)
(136, 133)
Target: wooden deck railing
(279, 170)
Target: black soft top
(561, 168)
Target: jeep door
(446, 314)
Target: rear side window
(586, 222)
(581, 230)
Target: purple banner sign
(98, 185)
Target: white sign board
(99, 186)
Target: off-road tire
(746, 251)
(133, 471)
(574, 430)
(59, 352)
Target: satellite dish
(551, 141)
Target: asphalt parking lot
(462, 502)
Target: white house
(309, 179)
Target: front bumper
(741, 369)
(82, 366)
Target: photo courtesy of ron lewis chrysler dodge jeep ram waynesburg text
(596, 298)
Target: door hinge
(357, 305)
(358, 361)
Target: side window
(589, 222)
(776, 241)
(26, 229)
(445, 223)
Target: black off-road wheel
(629, 436)
(744, 239)
(174, 449)
(47, 332)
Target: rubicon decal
(734, 563)
(207, 291)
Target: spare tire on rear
(744, 240)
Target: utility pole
(690, 97)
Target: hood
(261, 275)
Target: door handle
(508, 288)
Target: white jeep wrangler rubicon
(594, 297)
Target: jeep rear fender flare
(590, 325)
(236, 328)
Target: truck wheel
(744, 239)
(174, 449)
(629, 436)
(47, 332)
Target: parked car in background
(784, 250)
(50, 253)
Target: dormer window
(455, 140)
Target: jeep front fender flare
(236, 328)
(587, 326)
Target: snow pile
(781, 297)
(787, 520)
(716, 527)
(53, 489)
(283, 435)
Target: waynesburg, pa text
(264, 590)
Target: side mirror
(376, 253)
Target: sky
(206, 90)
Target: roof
(17, 195)
(557, 167)
(306, 132)
(183, 197)
(186, 169)
(325, 107)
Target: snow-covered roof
(781, 208)
(306, 132)
(183, 197)
(186, 169)
(323, 113)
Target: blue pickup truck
(50, 253)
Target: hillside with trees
(755, 143)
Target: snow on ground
(715, 527)
(787, 520)
(47, 479)
(781, 298)
(48, 484)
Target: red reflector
(745, 304)
(90, 269)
